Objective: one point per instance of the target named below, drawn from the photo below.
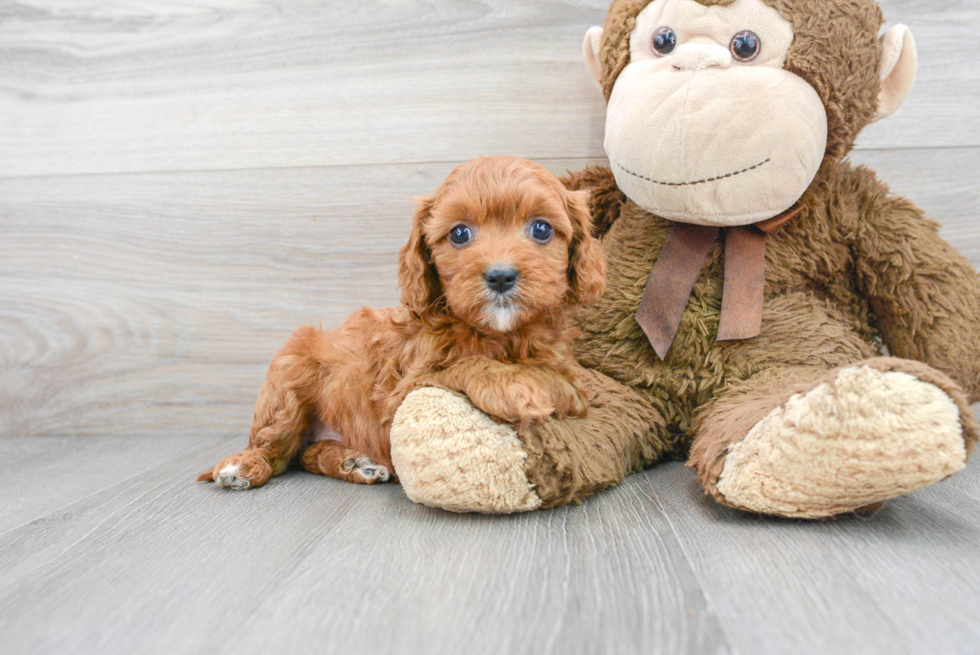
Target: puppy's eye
(664, 41)
(460, 234)
(541, 231)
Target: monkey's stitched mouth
(707, 179)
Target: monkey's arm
(606, 200)
(925, 294)
(449, 454)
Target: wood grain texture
(900, 582)
(153, 303)
(182, 184)
(43, 474)
(156, 564)
(153, 563)
(100, 87)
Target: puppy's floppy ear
(586, 264)
(417, 275)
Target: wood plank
(117, 87)
(603, 578)
(44, 474)
(151, 304)
(100, 87)
(156, 564)
(900, 582)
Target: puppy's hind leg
(333, 459)
(282, 417)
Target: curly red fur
(511, 355)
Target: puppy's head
(501, 243)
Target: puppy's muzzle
(501, 279)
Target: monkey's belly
(799, 329)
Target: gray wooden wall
(182, 184)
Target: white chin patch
(501, 317)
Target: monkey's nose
(501, 278)
(698, 56)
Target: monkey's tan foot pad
(860, 439)
(450, 455)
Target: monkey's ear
(417, 275)
(897, 68)
(590, 51)
(586, 265)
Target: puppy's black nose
(501, 278)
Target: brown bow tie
(677, 269)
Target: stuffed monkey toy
(772, 313)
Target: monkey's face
(704, 125)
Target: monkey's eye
(664, 41)
(745, 45)
(460, 234)
(541, 231)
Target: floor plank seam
(263, 593)
(710, 604)
(396, 164)
(203, 450)
(253, 169)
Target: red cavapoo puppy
(498, 256)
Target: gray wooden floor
(183, 183)
(107, 547)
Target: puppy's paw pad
(230, 477)
(369, 472)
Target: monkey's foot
(863, 437)
(451, 455)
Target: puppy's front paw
(569, 400)
(516, 401)
(241, 471)
(230, 476)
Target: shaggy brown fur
(858, 268)
(447, 332)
